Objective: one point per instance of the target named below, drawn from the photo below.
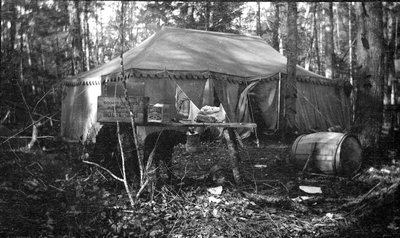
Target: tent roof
(184, 51)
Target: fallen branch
(267, 199)
(29, 137)
(105, 169)
(277, 200)
(33, 123)
(374, 197)
(360, 199)
(320, 199)
(323, 175)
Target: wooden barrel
(329, 152)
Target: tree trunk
(4, 37)
(328, 41)
(354, 92)
(96, 45)
(275, 29)
(390, 36)
(122, 34)
(71, 30)
(190, 15)
(369, 52)
(57, 61)
(42, 59)
(258, 23)
(76, 39)
(28, 50)
(13, 29)
(207, 16)
(21, 48)
(86, 35)
(289, 84)
(336, 39)
(321, 43)
(310, 50)
(84, 42)
(101, 46)
(131, 25)
(316, 38)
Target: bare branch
(105, 169)
(123, 167)
(25, 103)
(33, 123)
(5, 117)
(141, 189)
(35, 133)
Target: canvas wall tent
(205, 66)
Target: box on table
(161, 112)
(113, 109)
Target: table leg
(145, 174)
(232, 144)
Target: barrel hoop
(338, 147)
(295, 149)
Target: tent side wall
(321, 106)
(79, 110)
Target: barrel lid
(350, 159)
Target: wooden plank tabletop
(204, 124)
(198, 124)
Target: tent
(210, 68)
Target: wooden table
(229, 134)
(117, 109)
(184, 123)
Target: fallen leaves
(273, 205)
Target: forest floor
(53, 193)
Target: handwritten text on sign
(113, 109)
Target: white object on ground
(216, 190)
(310, 189)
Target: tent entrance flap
(258, 103)
(266, 109)
(194, 89)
